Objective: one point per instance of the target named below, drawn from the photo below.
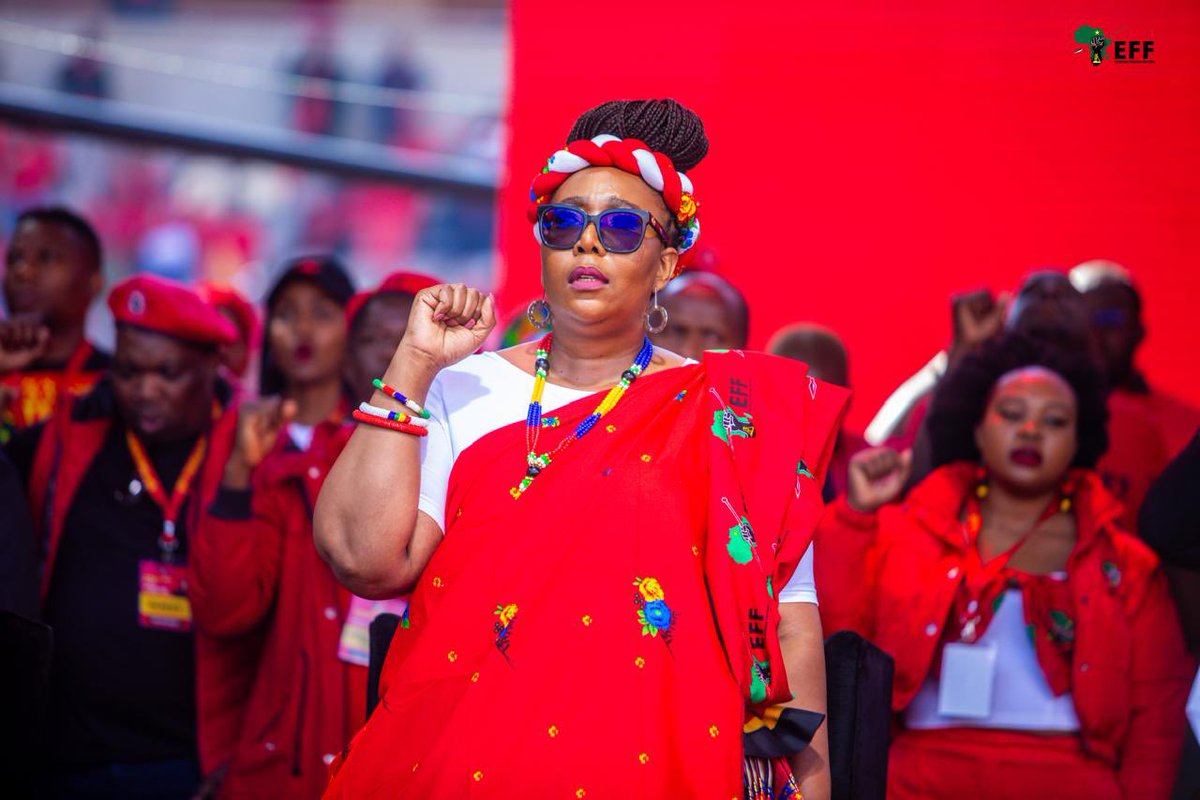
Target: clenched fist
(22, 342)
(259, 424)
(877, 476)
(448, 323)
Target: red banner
(868, 161)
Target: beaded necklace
(535, 463)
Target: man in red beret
(376, 322)
(52, 274)
(116, 481)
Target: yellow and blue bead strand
(535, 463)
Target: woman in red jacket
(1037, 650)
(254, 567)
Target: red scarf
(1048, 602)
(616, 626)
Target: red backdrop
(866, 161)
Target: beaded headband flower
(632, 156)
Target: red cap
(231, 300)
(164, 306)
(396, 283)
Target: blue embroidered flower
(658, 614)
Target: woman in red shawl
(1037, 649)
(596, 610)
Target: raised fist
(259, 424)
(877, 476)
(977, 317)
(448, 323)
(22, 342)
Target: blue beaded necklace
(535, 463)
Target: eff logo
(1124, 51)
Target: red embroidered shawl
(609, 633)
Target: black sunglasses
(620, 229)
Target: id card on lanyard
(968, 671)
(979, 579)
(163, 603)
(354, 646)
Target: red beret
(396, 283)
(164, 306)
(231, 300)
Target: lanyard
(168, 542)
(978, 577)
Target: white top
(301, 435)
(485, 392)
(1021, 697)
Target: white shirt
(482, 394)
(1021, 697)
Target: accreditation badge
(162, 596)
(967, 679)
(355, 644)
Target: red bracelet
(390, 424)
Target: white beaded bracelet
(395, 416)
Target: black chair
(24, 696)
(383, 628)
(858, 678)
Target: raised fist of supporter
(976, 317)
(447, 323)
(877, 477)
(22, 342)
(259, 424)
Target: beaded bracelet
(391, 425)
(411, 405)
(394, 416)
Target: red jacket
(70, 441)
(254, 567)
(892, 576)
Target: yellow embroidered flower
(507, 613)
(610, 428)
(687, 208)
(580, 793)
(452, 656)
(587, 619)
(639, 662)
(437, 582)
(475, 678)
(643, 758)
(712, 731)
(553, 731)
(478, 776)
(651, 590)
(646, 457)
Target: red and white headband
(632, 156)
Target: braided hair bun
(664, 125)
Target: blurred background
(868, 160)
(210, 139)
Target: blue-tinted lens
(621, 231)
(560, 227)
